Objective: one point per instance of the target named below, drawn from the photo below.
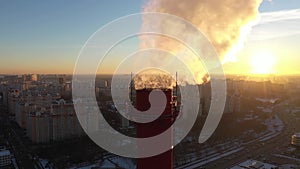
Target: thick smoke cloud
(226, 23)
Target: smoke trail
(225, 22)
(155, 79)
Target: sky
(46, 36)
(277, 33)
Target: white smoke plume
(226, 23)
(153, 80)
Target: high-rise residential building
(38, 126)
(13, 98)
(22, 111)
(64, 123)
(55, 123)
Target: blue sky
(68, 22)
(277, 5)
(52, 31)
(34, 33)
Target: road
(258, 149)
(19, 149)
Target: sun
(263, 63)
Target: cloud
(280, 24)
(279, 16)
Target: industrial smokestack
(150, 86)
(164, 160)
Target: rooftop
(254, 164)
(4, 153)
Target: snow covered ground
(208, 159)
(275, 126)
(252, 164)
(287, 157)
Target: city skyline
(145, 84)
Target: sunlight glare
(263, 63)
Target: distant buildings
(30, 77)
(21, 105)
(233, 97)
(41, 106)
(205, 98)
(13, 98)
(35, 100)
